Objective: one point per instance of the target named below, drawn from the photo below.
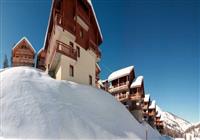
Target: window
(90, 79)
(71, 44)
(71, 71)
(78, 51)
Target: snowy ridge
(31, 101)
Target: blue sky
(160, 38)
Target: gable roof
(137, 82)
(24, 38)
(50, 16)
(120, 73)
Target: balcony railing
(121, 97)
(22, 60)
(66, 50)
(119, 87)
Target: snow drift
(33, 105)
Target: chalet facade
(41, 60)
(145, 106)
(136, 97)
(152, 114)
(159, 120)
(23, 54)
(72, 42)
(119, 84)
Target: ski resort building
(145, 106)
(136, 97)
(159, 123)
(41, 59)
(152, 113)
(119, 84)
(72, 42)
(23, 53)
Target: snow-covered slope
(173, 125)
(33, 105)
(174, 122)
(193, 131)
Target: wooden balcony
(23, 52)
(136, 97)
(22, 60)
(66, 50)
(122, 97)
(120, 87)
(61, 49)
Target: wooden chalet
(136, 97)
(23, 53)
(41, 60)
(145, 106)
(152, 113)
(159, 120)
(72, 42)
(119, 84)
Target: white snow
(153, 105)
(146, 97)
(35, 106)
(120, 73)
(137, 82)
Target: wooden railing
(22, 60)
(121, 97)
(66, 50)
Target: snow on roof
(90, 2)
(137, 82)
(147, 97)
(24, 38)
(120, 73)
(40, 50)
(158, 115)
(153, 105)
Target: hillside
(193, 131)
(35, 106)
(174, 125)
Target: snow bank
(33, 105)
(120, 73)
